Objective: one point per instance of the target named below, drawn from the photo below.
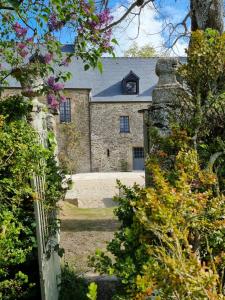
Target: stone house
(99, 128)
(102, 108)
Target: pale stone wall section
(105, 134)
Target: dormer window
(130, 84)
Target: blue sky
(151, 25)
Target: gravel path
(96, 190)
(83, 231)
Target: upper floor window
(130, 84)
(124, 124)
(65, 111)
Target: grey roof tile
(107, 87)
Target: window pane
(138, 152)
(124, 124)
(65, 111)
(131, 87)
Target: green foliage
(135, 51)
(73, 286)
(201, 111)
(171, 241)
(92, 291)
(166, 239)
(20, 156)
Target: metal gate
(49, 261)
(138, 158)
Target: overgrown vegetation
(171, 241)
(20, 155)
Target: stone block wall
(74, 138)
(110, 149)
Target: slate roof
(107, 87)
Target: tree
(207, 14)
(31, 52)
(144, 51)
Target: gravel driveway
(96, 190)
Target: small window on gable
(130, 84)
(65, 111)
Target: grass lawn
(83, 231)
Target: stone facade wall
(92, 141)
(110, 149)
(74, 138)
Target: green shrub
(20, 156)
(72, 286)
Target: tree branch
(213, 158)
(136, 3)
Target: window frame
(131, 77)
(65, 111)
(124, 124)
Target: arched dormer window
(130, 84)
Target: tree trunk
(207, 14)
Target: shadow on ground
(89, 225)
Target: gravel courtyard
(92, 224)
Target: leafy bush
(171, 241)
(20, 156)
(73, 286)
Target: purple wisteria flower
(23, 52)
(51, 98)
(105, 17)
(62, 98)
(48, 57)
(20, 31)
(21, 46)
(55, 86)
(58, 86)
(51, 81)
(54, 23)
(30, 40)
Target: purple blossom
(30, 40)
(63, 98)
(48, 58)
(52, 100)
(23, 52)
(55, 86)
(21, 46)
(65, 62)
(54, 23)
(105, 17)
(51, 81)
(20, 31)
(58, 86)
